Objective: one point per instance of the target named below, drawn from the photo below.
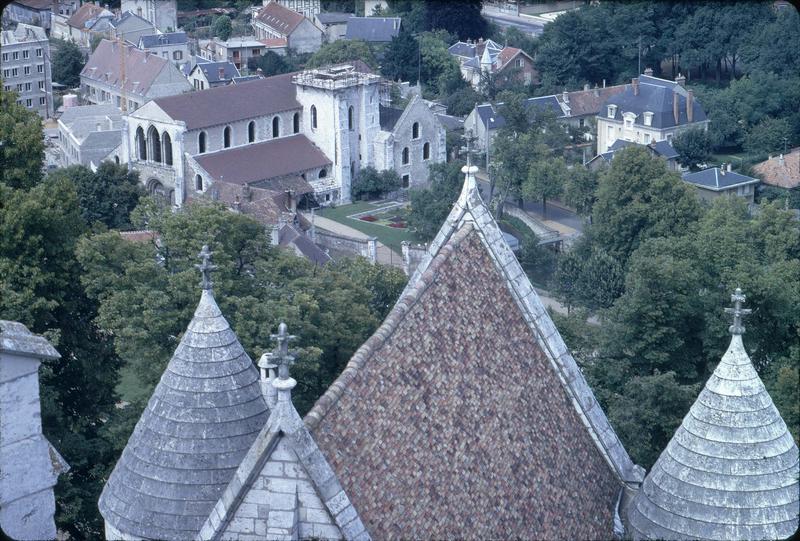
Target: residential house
(163, 14)
(307, 8)
(30, 12)
(721, 181)
(373, 29)
(212, 74)
(174, 46)
(128, 77)
(782, 171)
(88, 134)
(649, 109)
(87, 21)
(661, 149)
(333, 24)
(238, 50)
(485, 120)
(487, 58)
(582, 106)
(130, 27)
(275, 22)
(26, 67)
(321, 126)
(60, 15)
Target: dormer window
(629, 119)
(648, 118)
(612, 111)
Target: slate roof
(785, 174)
(162, 40)
(450, 122)
(463, 49)
(589, 102)
(203, 417)
(716, 179)
(260, 162)
(141, 68)
(39, 5)
(82, 120)
(211, 71)
(280, 18)
(664, 149)
(373, 29)
(655, 95)
(464, 415)
(389, 117)
(731, 469)
(334, 17)
(290, 236)
(17, 339)
(230, 103)
(492, 117)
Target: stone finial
(281, 355)
(206, 267)
(738, 312)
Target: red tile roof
(144, 235)
(83, 14)
(259, 162)
(230, 103)
(282, 19)
(141, 68)
(274, 42)
(589, 102)
(783, 175)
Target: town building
(485, 120)
(321, 126)
(128, 77)
(163, 14)
(307, 8)
(60, 14)
(25, 54)
(373, 29)
(130, 27)
(649, 109)
(464, 416)
(87, 21)
(582, 106)
(30, 465)
(174, 46)
(88, 134)
(481, 59)
(30, 12)
(722, 181)
(782, 171)
(333, 24)
(239, 50)
(661, 149)
(279, 24)
(212, 74)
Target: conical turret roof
(731, 469)
(204, 415)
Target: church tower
(731, 469)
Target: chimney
(565, 96)
(680, 79)
(604, 83)
(729, 168)
(675, 109)
(586, 87)
(781, 160)
(722, 169)
(98, 127)
(221, 72)
(635, 85)
(246, 194)
(596, 91)
(690, 105)
(291, 202)
(648, 72)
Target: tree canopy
(22, 148)
(67, 63)
(341, 51)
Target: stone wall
(363, 247)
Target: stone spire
(731, 469)
(203, 417)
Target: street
(526, 23)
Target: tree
(21, 144)
(270, 63)
(760, 51)
(108, 195)
(343, 51)
(580, 190)
(587, 276)
(769, 135)
(546, 179)
(222, 27)
(372, 184)
(637, 199)
(430, 206)
(67, 64)
(401, 58)
(462, 18)
(694, 147)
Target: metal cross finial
(469, 138)
(280, 354)
(206, 267)
(738, 312)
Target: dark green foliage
(372, 184)
(22, 148)
(546, 179)
(343, 51)
(589, 277)
(270, 63)
(762, 52)
(789, 198)
(401, 58)
(107, 196)
(430, 206)
(459, 17)
(67, 64)
(462, 101)
(770, 135)
(580, 190)
(222, 27)
(694, 147)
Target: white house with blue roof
(714, 182)
(649, 110)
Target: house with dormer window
(649, 110)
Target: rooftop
(282, 19)
(334, 17)
(716, 179)
(162, 40)
(373, 29)
(656, 96)
(782, 170)
(86, 119)
(218, 71)
(24, 33)
(140, 67)
(589, 102)
(87, 13)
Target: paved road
(556, 214)
(505, 19)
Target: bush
(372, 184)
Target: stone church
(464, 416)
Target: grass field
(389, 236)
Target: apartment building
(26, 67)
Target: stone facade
(26, 67)
(163, 14)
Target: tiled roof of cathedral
(203, 417)
(731, 469)
(464, 415)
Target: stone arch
(166, 143)
(141, 144)
(276, 126)
(201, 142)
(296, 123)
(154, 144)
(226, 137)
(406, 157)
(313, 117)
(415, 130)
(251, 132)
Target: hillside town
(399, 269)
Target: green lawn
(389, 236)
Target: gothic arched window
(226, 137)
(276, 126)
(251, 132)
(201, 142)
(405, 156)
(313, 117)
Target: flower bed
(369, 218)
(398, 225)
